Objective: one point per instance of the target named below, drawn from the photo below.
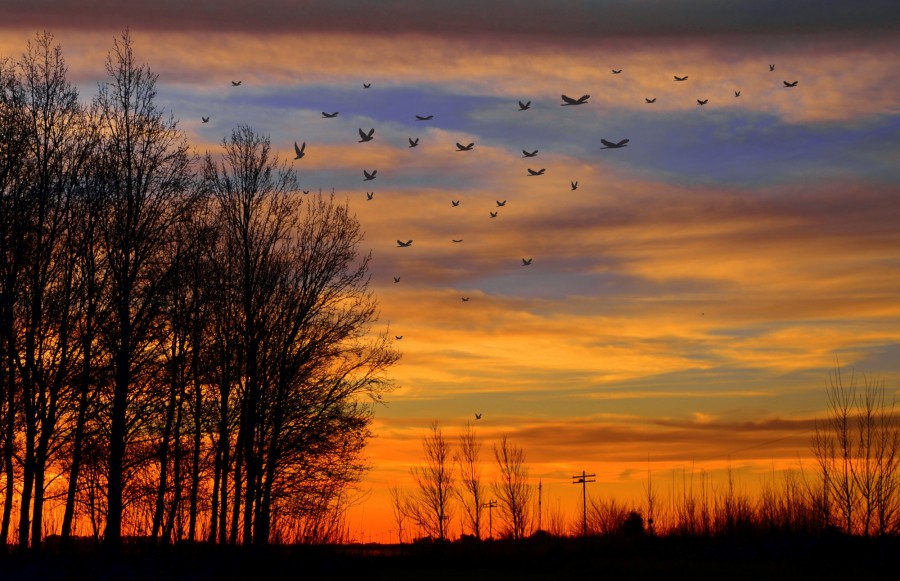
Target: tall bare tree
(430, 505)
(512, 489)
(147, 173)
(471, 489)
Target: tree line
(848, 483)
(187, 348)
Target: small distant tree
(471, 490)
(430, 506)
(398, 508)
(857, 450)
(512, 490)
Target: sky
(683, 307)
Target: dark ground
(660, 559)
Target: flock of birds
(366, 136)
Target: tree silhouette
(512, 489)
(430, 505)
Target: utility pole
(540, 511)
(491, 505)
(583, 479)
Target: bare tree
(857, 449)
(471, 490)
(147, 174)
(430, 505)
(398, 510)
(512, 489)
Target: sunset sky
(684, 305)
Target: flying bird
(500, 204)
(370, 195)
(366, 85)
(524, 106)
(300, 151)
(396, 279)
(527, 154)
(235, 83)
(454, 202)
(305, 192)
(413, 143)
(398, 337)
(787, 84)
(477, 416)
(465, 299)
(611, 145)
(771, 67)
(539, 172)
(703, 102)
(616, 71)
(369, 176)
(677, 78)
(570, 101)
(426, 118)
(737, 93)
(205, 119)
(329, 115)
(493, 214)
(363, 136)
(653, 100)
(401, 244)
(574, 186)
(457, 241)
(461, 147)
(526, 261)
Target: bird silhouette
(616, 71)
(737, 93)
(396, 279)
(424, 118)
(401, 244)
(787, 84)
(771, 68)
(574, 186)
(500, 204)
(677, 78)
(305, 192)
(366, 85)
(493, 214)
(570, 101)
(703, 102)
(527, 154)
(363, 136)
(526, 261)
(524, 106)
(329, 115)
(454, 202)
(369, 176)
(413, 142)
(457, 241)
(398, 337)
(461, 147)
(539, 172)
(611, 145)
(236, 83)
(465, 299)
(370, 195)
(205, 119)
(653, 100)
(300, 151)
(477, 416)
